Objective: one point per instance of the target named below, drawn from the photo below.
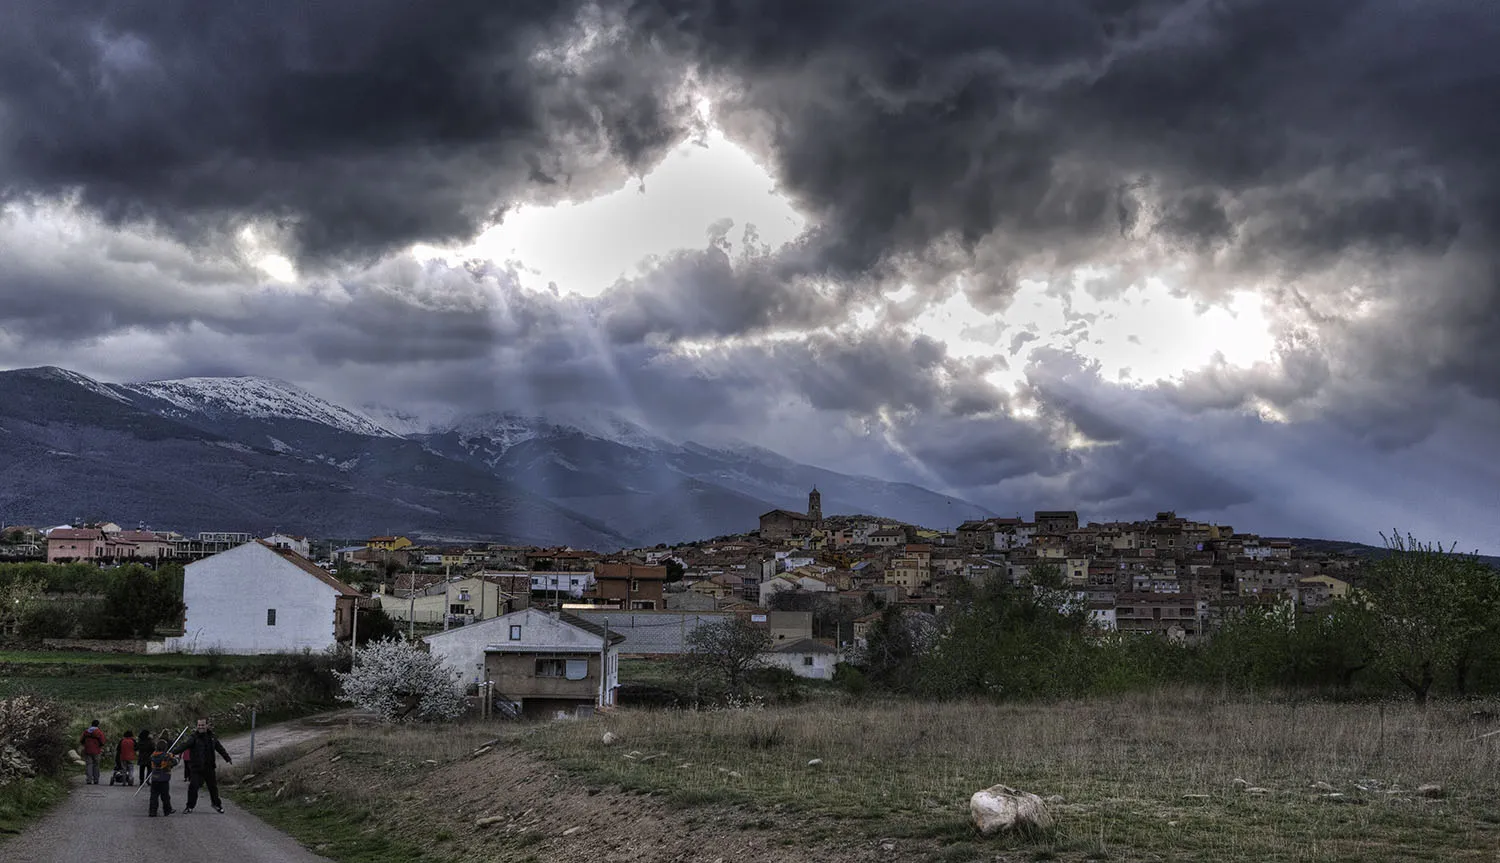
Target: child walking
(125, 757)
(162, 763)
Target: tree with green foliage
(1434, 612)
(1007, 640)
(374, 625)
(137, 601)
(17, 598)
(675, 569)
(727, 651)
(894, 645)
(1333, 644)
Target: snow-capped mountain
(254, 398)
(216, 453)
(74, 447)
(489, 436)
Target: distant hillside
(1374, 552)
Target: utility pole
(354, 635)
(411, 614)
(604, 665)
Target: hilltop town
(823, 578)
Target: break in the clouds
(1238, 258)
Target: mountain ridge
(260, 449)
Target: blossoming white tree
(401, 683)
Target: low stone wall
(99, 645)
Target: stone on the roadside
(1431, 790)
(571, 830)
(609, 738)
(488, 820)
(1258, 790)
(1240, 783)
(1320, 785)
(816, 762)
(1002, 809)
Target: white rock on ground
(1001, 809)
(609, 738)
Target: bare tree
(728, 650)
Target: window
(270, 617)
(807, 660)
(515, 633)
(568, 669)
(635, 585)
(463, 596)
(643, 604)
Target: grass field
(1172, 776)
(1149, 777)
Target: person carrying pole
(201, 747)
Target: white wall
(227, 596)
(281, 540)
(821, 669)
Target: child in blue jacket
(162, 763)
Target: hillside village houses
(814, 579)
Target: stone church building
(785, 524)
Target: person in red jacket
(125, 757)
(92, 743)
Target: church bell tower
(815, 505)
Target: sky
(1234, 258)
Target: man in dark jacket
(201, 747)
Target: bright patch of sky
(1145, 335)
(585, 247)
(264, 255)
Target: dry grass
(1121, 766)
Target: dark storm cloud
(1337, 156)
(1251, 140)
(355, 126)
(861, 374)
(712, 292)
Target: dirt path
(105, 822)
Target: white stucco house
(539, 662)
(804, 657)
(255, 598)
(288, 542)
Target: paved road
(105, 822)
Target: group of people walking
(154, 757)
